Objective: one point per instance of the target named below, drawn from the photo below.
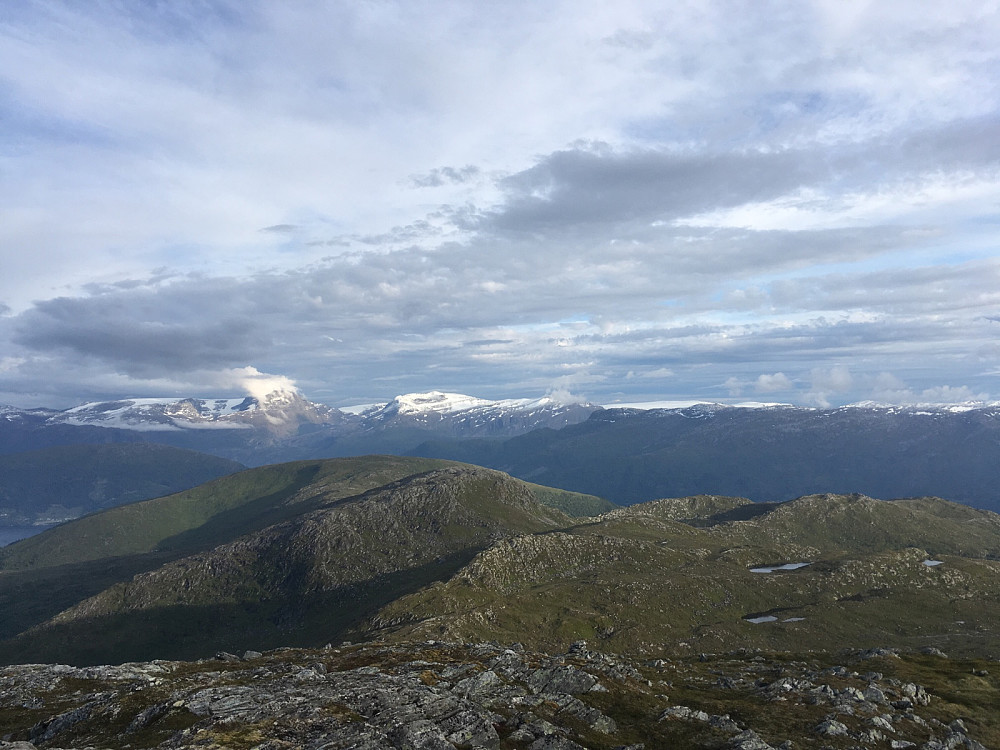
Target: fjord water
(11, 534)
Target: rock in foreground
(441, 696)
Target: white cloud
(10, 364)
(773, 383)
(734, 386)
(355, 195)
(948, 394)
(257, 384)
(836, 379)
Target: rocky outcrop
(428, 696)
(446, 696)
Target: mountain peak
(272, 410)
(435, 401)
(441, 402)
(279, 397)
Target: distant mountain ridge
(280, 408)
(765, 452)
(284, 426)
(278, 411)
(770, 453)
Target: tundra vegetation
(489, 612)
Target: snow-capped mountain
(284, 413)
(770, 453)
(279, 412)
(283, 425)
(761, 451)
(468, 415)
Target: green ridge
(394, 548)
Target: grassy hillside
(209, 514)
(297, 548)
(638, 581)
(835, 524)
(45, 574)
(416, 549)
(571, 503)
(69, 481)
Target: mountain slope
(856, 523)
(764, 454)
(59, 483)
(638, 581)
(45, 574)
(410, 549)
(279, 552)
(403, 525)
(211, 514)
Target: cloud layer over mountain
(717, 200)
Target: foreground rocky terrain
(443, 696)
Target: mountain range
(702, 621)
(282, 425)
(762, 452)
(767, 453)
(411, 548)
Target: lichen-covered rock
(748, 740)
(561, 680)
(832, 728)
(435, 695)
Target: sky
(612, 202)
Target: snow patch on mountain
(647, 405)
(435, 401)
(356, 409)
(438, 402)
(925, 408)
(277, 409)
(159, 414)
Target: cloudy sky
(723, 201)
